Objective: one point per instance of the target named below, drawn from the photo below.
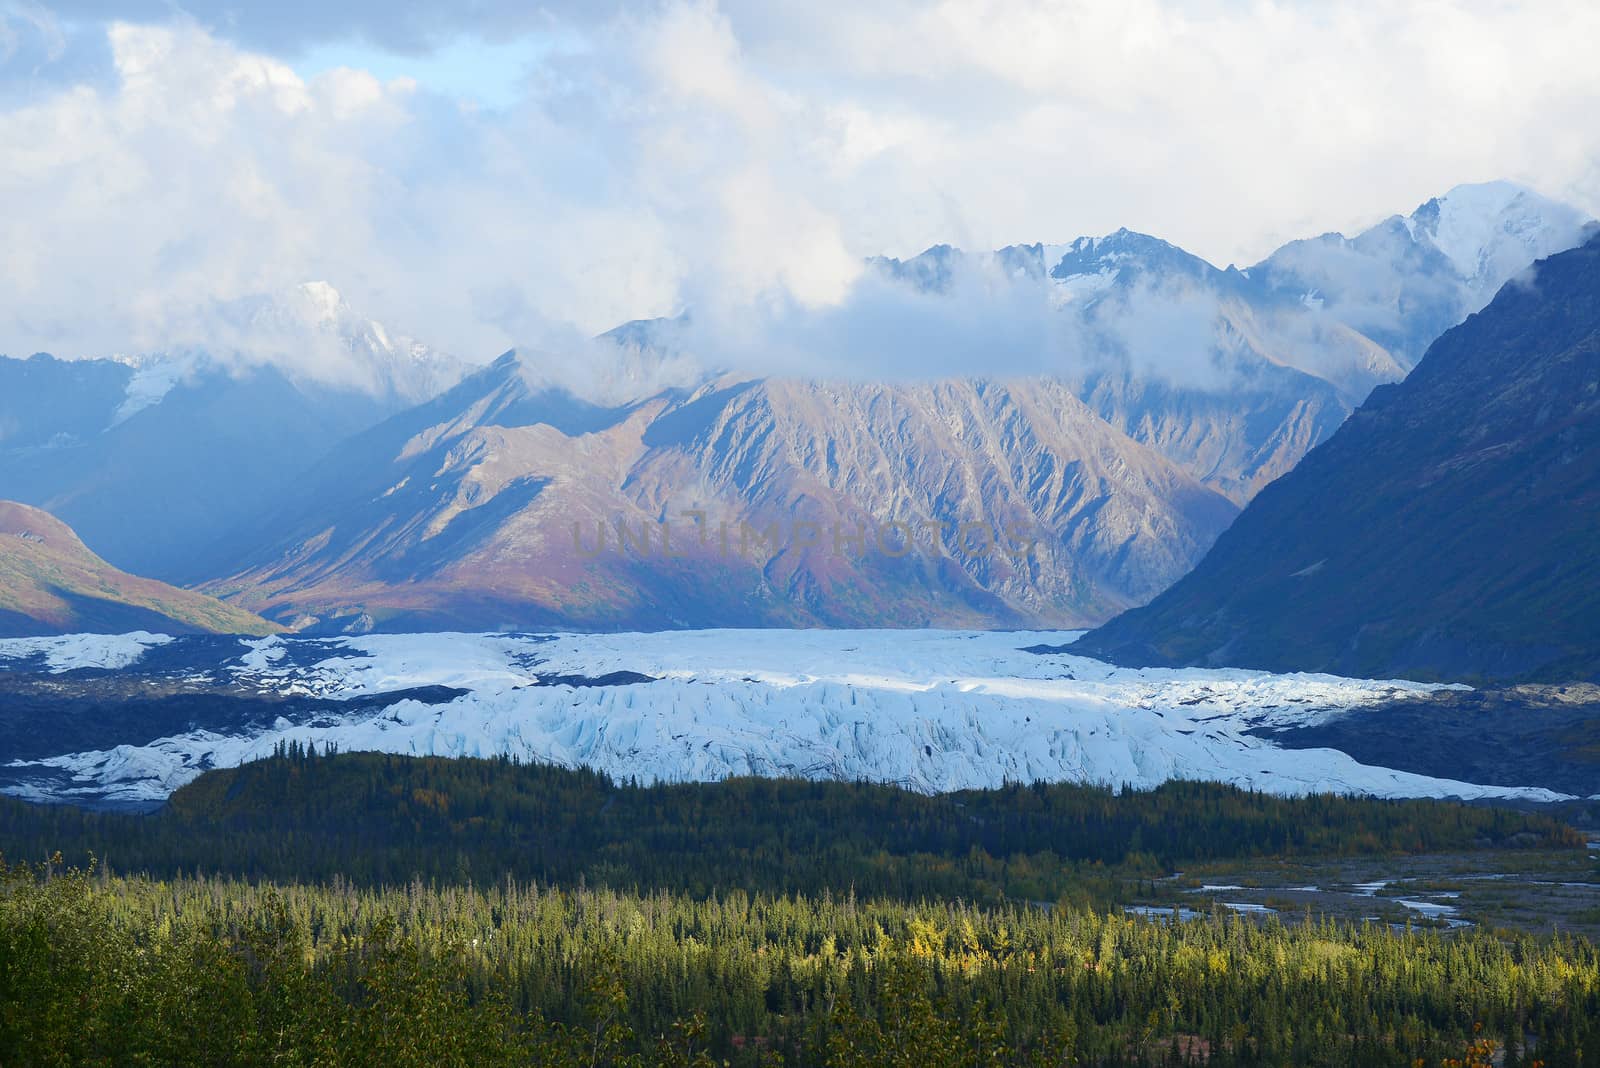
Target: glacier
(931, 710)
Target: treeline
(97, 970)
(381, 819)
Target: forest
(365, 909)
(383, 819)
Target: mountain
(50, 583)
(746, 502)
(1446, 531)
(1228, 381)
(1234, 374)
(161, 461)
(311, 451)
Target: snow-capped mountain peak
(327, 303)
(1492, 230)
(310, 333)
(1126, 257)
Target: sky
(489, 173)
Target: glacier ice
(932, 710)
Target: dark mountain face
(1450, 529)
(50, 403)
(156, 491)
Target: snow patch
(70, 652)
(153, 378)
(1079, 287)
(1490, 232)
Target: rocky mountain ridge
(792, 503)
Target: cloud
(207, 173)
(982, 318)
(742, 159)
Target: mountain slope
(1447, 530)
(1194, 362)
(483, 509)
(51, 584)
(744, 503)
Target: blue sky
(491, 73)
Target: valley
(1217, 690)
(710, 534)
(560, 918)
(1540, 893)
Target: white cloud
(739, 159)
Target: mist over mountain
(1447, 530)
(313, 335)
(1234, 373)
(155, 458)
(1129, 397)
